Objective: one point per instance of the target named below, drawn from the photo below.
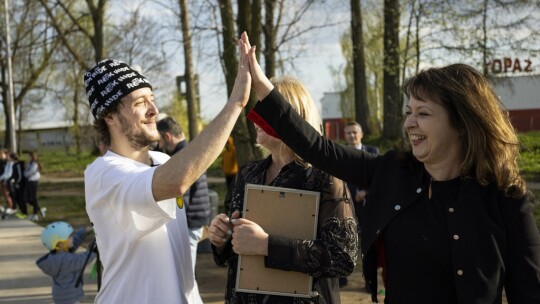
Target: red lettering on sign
(517, 66)
(528, 66)
(496, 67)
(507, 64)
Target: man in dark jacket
(353, 136)
(196, 199)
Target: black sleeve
(277, 118)
(523, 262)
(334, 252)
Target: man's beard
(137, 139)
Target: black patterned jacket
(332, 255)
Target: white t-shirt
(143, 244)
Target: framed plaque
(285, 212)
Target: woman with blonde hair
(448, 216)
(330, 256)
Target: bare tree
(249, 21)
(474, 31)
(361, 106)
(246, 151)
(77, 24)
(270, 32)
(32, 49)
(192, 100)
(67, 19)
(393, 102)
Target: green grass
(65, 201)
(61, 164)
(529, 161)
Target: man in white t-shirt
(131, 192)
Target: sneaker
(43, 210)
(21, 216)
(33, 217)
(10, 211)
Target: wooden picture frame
(283, 212)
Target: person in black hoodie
(196, 199)
(17, 182)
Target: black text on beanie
(108, 81)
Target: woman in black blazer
(448, 216)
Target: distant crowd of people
(19, 183)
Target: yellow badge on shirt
(180, 202)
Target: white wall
(518, 92)
(330, 105)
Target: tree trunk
(243, 20)
(98, 14)
(191, 94)
(407, 49)
(76, 129)
(361, 106)
(249, 20)
(270, 34)
(484, 39)
(245, 151)
(392, 96)
(5, 90)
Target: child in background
(62, 263)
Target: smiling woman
(475, 234)
(432, 138)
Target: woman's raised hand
(261, 84)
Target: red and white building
(521, 97)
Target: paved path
(22, 282)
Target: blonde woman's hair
(298, 96)
(490, 143)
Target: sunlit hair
(490, 143)
(298, 96)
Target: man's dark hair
(168, 124)
(353, 123)
(102, 130)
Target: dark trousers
(17, 194)
(31, 195)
